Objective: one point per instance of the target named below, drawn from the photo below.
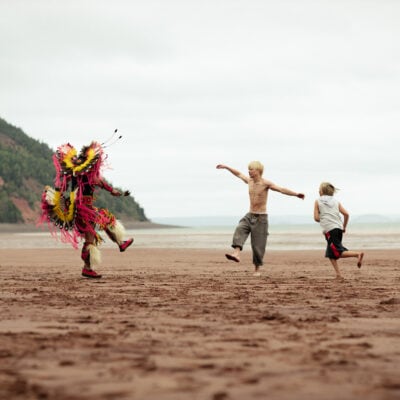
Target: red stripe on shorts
(334, 250)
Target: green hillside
(26, 166)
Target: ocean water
(281, 237)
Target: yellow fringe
(68, 158)
(91, 155)
(61, 214)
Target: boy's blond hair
(256, 165)
(327, 189)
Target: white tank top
(329, 214)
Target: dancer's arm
(114, 192)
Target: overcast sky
(309, 88)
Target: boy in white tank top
(328, 211)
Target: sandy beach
(187, 324)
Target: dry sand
(187, 324)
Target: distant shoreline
(232, 221)
(30, 228)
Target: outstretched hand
(117, 193)
(301, 196)
(221, 166)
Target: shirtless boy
(255, 222)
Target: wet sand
(188, 324)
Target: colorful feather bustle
(59, 213)
(62, 211)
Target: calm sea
(281, 237)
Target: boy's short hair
(327, 189)
(256, 165)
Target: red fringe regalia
(68, 208)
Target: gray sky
(310, 88)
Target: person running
(255, 222)
(328, 211)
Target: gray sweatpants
(257, 226)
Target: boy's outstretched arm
(234, 172)
(316, 212)
(286, 191)
(346, 216)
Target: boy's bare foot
(339, 278)
(232, 257)
(257, 273)
(360, 258)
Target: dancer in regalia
(70, 207)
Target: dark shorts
(334, 248)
